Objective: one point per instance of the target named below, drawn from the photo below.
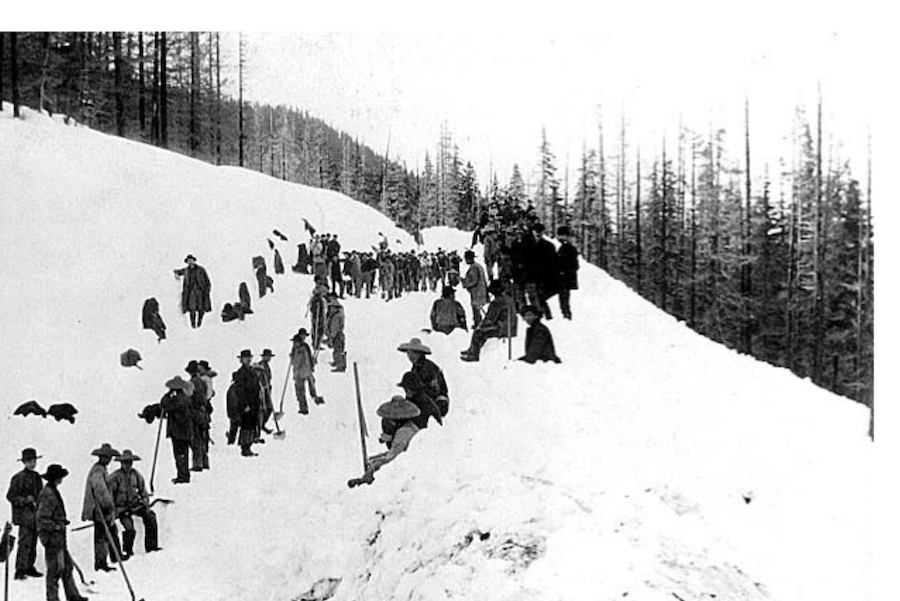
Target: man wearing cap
(176, 405)
(431, 376)
(476, 283)
(447, 313)
(398, 430)
(263, 372)
(500, 321)
(201, 409)
(99, 506)
(194, 291)
(334, 330)
(126, 485)
(538, 339)
(51, 530)
(247, 394)
(567, 261)
(24, 488)
(303, 364)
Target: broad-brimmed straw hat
(398, 408)
(414, 344)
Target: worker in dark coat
(433, 382)
(567, 262)
(538, 339)
(51, 529)
(194, 291)
(547, 270)
(24, 488)
(500, 321)
(263, 371)
(447, 313)
(247, 393)
(176, 404)
(126, 485)
(201, 411)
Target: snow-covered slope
(651, 464)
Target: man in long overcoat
(51, 529)
(195, 291)
(99, 506)
(23, 492)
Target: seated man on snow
(500, 321)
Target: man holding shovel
(126, 485)
(304, 364)
(100, 508)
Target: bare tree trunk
(637, 222)
(117, 69)
(820, 241)
(218, 103)
(2, 44)
(163, 93)
(746, 274)
(14, 71)
(692, 292)
(142, 96)
(154, 94)
(241, 99)
(193, 119)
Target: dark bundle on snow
(244, 295)
(130, 358)
(63, 411)
(259, 263)
(280, 235)
(30, 408)
(271, 244)
(152, 320)
(279, 264)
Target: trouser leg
(564, 306)
(199, 318)
(55, 559)
(151, 532)
(233, 431)
(101, 547)
(180, 449)
(300, 391)
(193, 315)
(27, 552)
(476, 314)
(68, 578)
(128, 534)
(196, 452)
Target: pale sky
(496, 89)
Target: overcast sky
(497, 89)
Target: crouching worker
(130, 496)
(398, 430)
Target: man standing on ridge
(195, 290)
(567, 260)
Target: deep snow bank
(622, 473)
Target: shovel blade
(279, 415)
(279, 435)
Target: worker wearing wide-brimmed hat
(99, 506)
(246, 391)
(303, 364)
(431, 376)
(176, 404)
(130, 496)
(51, 527)
(398, 430)
(24, 488)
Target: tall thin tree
(14, 71)
(142, 92)
(241, 99)
(118, 66)
(194, 104)
(163, 92)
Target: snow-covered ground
(651, 464)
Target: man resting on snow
(538, 339)
(398, 430)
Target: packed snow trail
(651, 464)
